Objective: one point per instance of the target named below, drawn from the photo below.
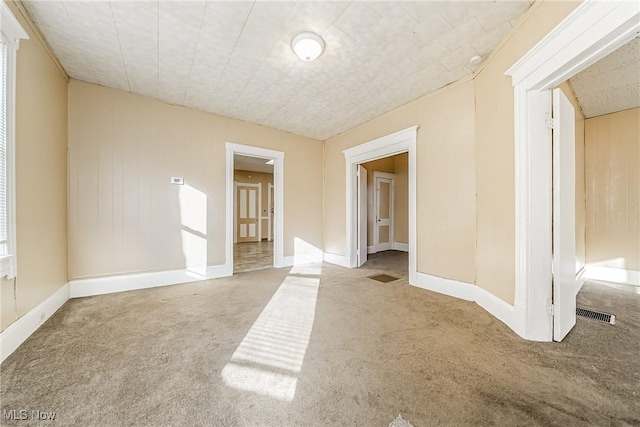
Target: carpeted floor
(318, 346)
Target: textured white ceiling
(234, 58)
(611, 84)
(252, 164)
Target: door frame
(235, 208)
(376, 237)
(278, 179)
(270, 187)
(592, 31)
(403, 141)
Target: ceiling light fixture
(308, 46)
(475, 60)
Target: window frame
(11, 32)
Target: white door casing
(362, 215)
(270, 199)
(564, 216)
(383, 196)
(403, 141)
(592, 31)
(278, 214)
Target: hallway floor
(319, 345)
(252, 256)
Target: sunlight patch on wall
(193, 217)
(305, 253)
(619, 262)
(272, 353)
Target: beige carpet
(320, 346)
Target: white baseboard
(340, 260)
(613, 275)
(290, 261)
(129, 282)
(580, 279)
(404, 247)
(18, 332)
(498, 308)
(462, 290)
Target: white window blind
(4, 247)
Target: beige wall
(41, 179)
(613, 189)
(445, 179)
(465, 167)
(265, 179)
(398, 165)
(495, 150)
(124, 214)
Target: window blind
(3, 148)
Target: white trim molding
(492, 304)
(278, 209)
(335, 259)
(290, 261)
(403, 141)
(11, 27)
(592, 31)
(18, 332)
(403, 247)
(270, 187)
(613, 275)
(580, 278)
(129, 282)
(395, 246)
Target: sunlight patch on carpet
(270, 356)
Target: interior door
(384, 214)
(564, 241)
(362, 215)
(272, 198)
(247, 213)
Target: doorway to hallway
(254, 226)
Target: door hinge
(357, 252)
(548, 120)
(551, 309)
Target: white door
(564, 241)
(383, 225)
(270, 202)
(362, 215)
(247, 219)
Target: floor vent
(384, 278)
(596, 315)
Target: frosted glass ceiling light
(308, 46)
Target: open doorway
(590, 33)
(254, 214)
(253, 209)
(386, 212)
(596, 188)
(357, 235)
